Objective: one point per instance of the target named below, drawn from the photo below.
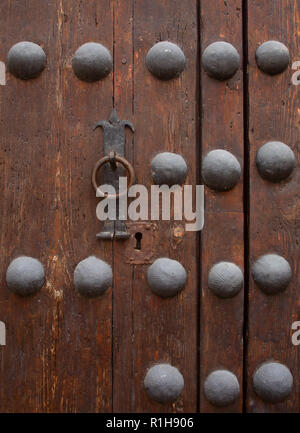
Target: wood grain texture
(274, 208)
(148, 329)
(58, 353)
(66, 353)
(123, 306)
(87, 321)
(221, 320)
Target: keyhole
(138, 237)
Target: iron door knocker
(114, 148)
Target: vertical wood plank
(29, 141)
(274, 208)
(123, 307)
(58, 353)
(87, 322)
(149, 329)
(166, 117)
(221, 320)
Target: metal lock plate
(141, 244)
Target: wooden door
(66, 352)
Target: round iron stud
(26, 60)
(221, 170)
(221, 388)
(164, 383)
(25, 276)
(275, 161)
(165, 60)
(220, 60)
(168, 169)
(92, 62)
(273, 382)
(225, 279)
(272, 273)
(272, 57)
(166, 277)
(92, 277)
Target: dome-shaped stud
(165, 60)
(26, 60)
(92, 62)
(275, 161)
(168, 169)
(163, 383)
(272, 273)
(272, 57)
(221, 170)
(166, 277)
(273, 382)
(225, 279)
(220, 60)
(25, 276)
(92, 277)
(221, 388)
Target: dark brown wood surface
(149, 329)
(123, 365)
(274, 208)
(66, 353)
(221, 320)
(58, 352)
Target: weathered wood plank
(58, 353)
(221, 320)
(152, 329)
(123, 314)
(274, 208)
(88, 321)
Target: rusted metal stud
(220, 60)
(275, 161)
(272, 57)
(164, 383)
(221, 388)
(26, 60)
(92, 277)
(221, 170)
(166, 277)
(273, 382)
(92, 62)
(168, 169)
(165, 60)
(272, 273)
(225, 279)
(25, 276)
